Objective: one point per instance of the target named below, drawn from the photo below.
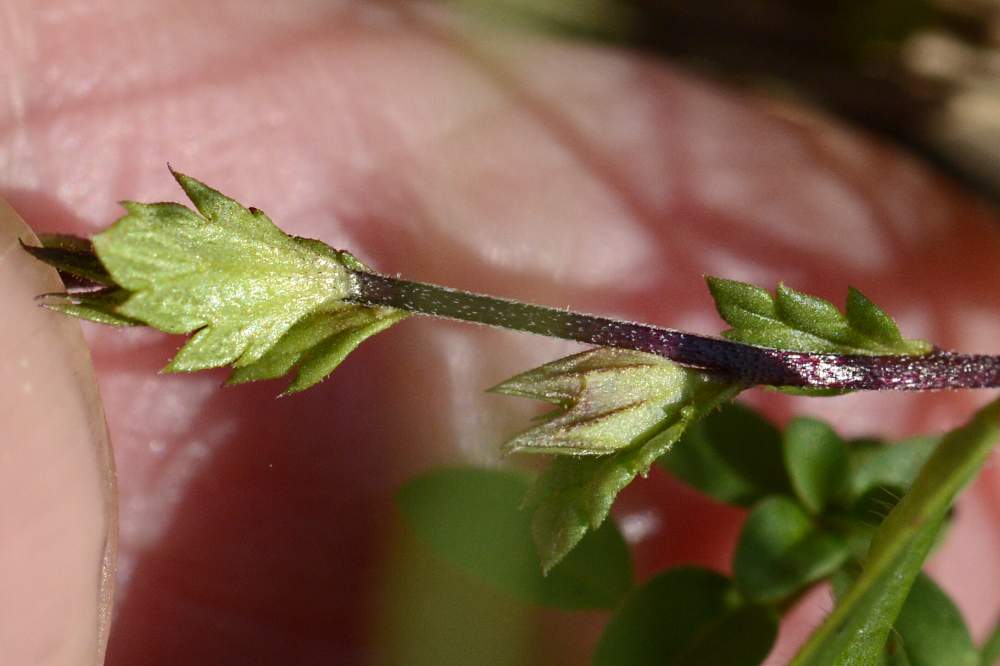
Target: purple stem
(737, 361)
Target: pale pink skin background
(256, 530)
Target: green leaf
(872, 322)
(317, 344)
(609, 399)
(796, 321)
(469, 517)
(255, 297)
(95, 296)
(880, 475)
(811, 315)
(314, 346)
(892, 466)
(687, 617)
(781, 551)
(930, 629)
(574, 495)
(72, 256)
(228, 274)
(100, 305)
(733, 455)
(629, 405)
(857, 629)
(817, 463)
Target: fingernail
(58, 509)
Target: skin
(255, 530)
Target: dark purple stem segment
(737, 361)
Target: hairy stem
(741, 362)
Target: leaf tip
(236, 378)
(716, 285)
(510, 447)
(171, 368)
(177, 175)
(298, 386)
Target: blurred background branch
(922, 73)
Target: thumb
(57, 483)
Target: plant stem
(741, 362)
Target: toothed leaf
(574, 495)
(227, 274)
(73, 257)
(256, 298)
(99, 306)
(608, 399)
(618, 412)
(317, 344)
(797, 321)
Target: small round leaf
(817, 463)
(879, 465)
(733, 455)
(781, 551)
(930, 629)
(687, 616)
